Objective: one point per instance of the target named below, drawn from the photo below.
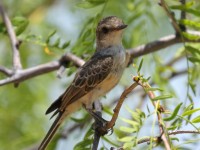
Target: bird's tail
(51, 131)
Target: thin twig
(157, 138)
(6, 71)
(116, 110)
(171, 16)
(183, 16)
(13, 39)
(157, 106)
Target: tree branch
(6, 71)
(13, 39)
(159, 44)
(171, 16)
(25, 74)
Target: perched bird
(96, 77)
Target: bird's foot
(100, 124)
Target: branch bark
(13, 39)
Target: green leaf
(131, 122)
(196, 120)
(127, 129)
(128, 145)
(175, 139)
(175, 112)
(187, 8)
(140, 65)
(189, 112)
(83, 145)
(66, 44)
(57, 43)
(191, 36)
(21, 28)
(90, 3)
(20, 23)
(190, 23)
(192, 86)
(50, 35)
(162, 97)
(126, 139)
(153, 89)
(194, 59)
(192, 50)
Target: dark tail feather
(51, 132)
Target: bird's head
(109, 32)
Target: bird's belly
(101, 89)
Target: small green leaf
(190, 23)
(57, 43)
(153, 89)
(131, 122)
(127, 129)
(128, 145)
(196, 120)
(126, 139)
(192, 86)
(162, 97)
(50, 35)
(175, 112)
(83, 145)
(140, 65)
(66, 44)
(175, 139)
(191, 36)
(90, 4)
(189, 112)
(194, 59)
(192, 50)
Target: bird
(95, 78)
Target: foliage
(173, 70)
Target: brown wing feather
(90, 75)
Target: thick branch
(25, 74)
(134, 52)
(159, 44)
(13, 39)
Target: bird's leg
(101, 123)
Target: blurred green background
(50, 28)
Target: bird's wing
(89, 76)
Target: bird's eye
(105, 30)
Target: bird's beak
(121, 27)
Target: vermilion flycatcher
(96, 77)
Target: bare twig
(41, 69)
(6, 71)
(111, 123)
(170, 133)
(159, 44)
(171, 16)
(13, 39)
(183, 16)
(157, 138)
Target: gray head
(109, 32)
